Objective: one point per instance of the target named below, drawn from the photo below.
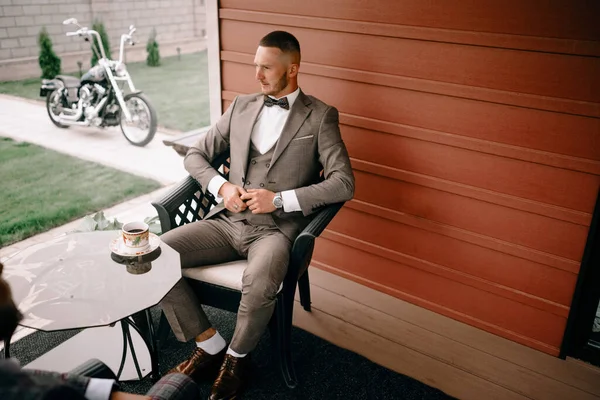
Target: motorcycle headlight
(120, 70)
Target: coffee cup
(135, 235)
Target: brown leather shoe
(231, 379)
(200, 365)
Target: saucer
(117, 247)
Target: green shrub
(98, 26)
(153, 59)
(48, 60)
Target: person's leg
(199, 243)
(268, 255)
(174, 387)
(268, 252)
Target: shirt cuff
(214, 185)
(99, 389)
(290, 201)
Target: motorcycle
(98, 99)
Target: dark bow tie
(282, 102)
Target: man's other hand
(260, 201)
(231, 197)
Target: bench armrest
(305, 242)
(186, 203)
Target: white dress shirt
(265, 133)
(99, 389)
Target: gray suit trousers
(219, 240)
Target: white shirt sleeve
(290, 201)
(99, 389)
(214, 185)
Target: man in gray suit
(287, 161)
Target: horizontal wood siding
(474, 134)
(502, 69)
(558, 20)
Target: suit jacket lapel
(243, 138)
(298, 115)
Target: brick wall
(176, 21)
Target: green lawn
(28, 88)
(42, 189)
(177, 88)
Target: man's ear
(293, 70)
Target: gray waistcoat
(256, 178)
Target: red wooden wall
(474, 133)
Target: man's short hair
(284, 41)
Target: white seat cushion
(227, 274)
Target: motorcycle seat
(69, 81)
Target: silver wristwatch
(278, 200)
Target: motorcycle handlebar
(86, 31)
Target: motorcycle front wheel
(142, 128)
(54, 108)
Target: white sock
(213, 345)
(233, 353)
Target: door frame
(213, 44)
(576, 340)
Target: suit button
(268, 165)
(262, 185)
(248, 183)
(253, 162)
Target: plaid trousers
(174, 387)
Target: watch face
(277, 201)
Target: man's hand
(260, 201)
(231, 197)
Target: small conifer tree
(98, 26)
(48, 60)
(153, 58)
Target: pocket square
(304, 137)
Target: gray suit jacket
(17, 384)
(310, 142)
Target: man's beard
(281, 84)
